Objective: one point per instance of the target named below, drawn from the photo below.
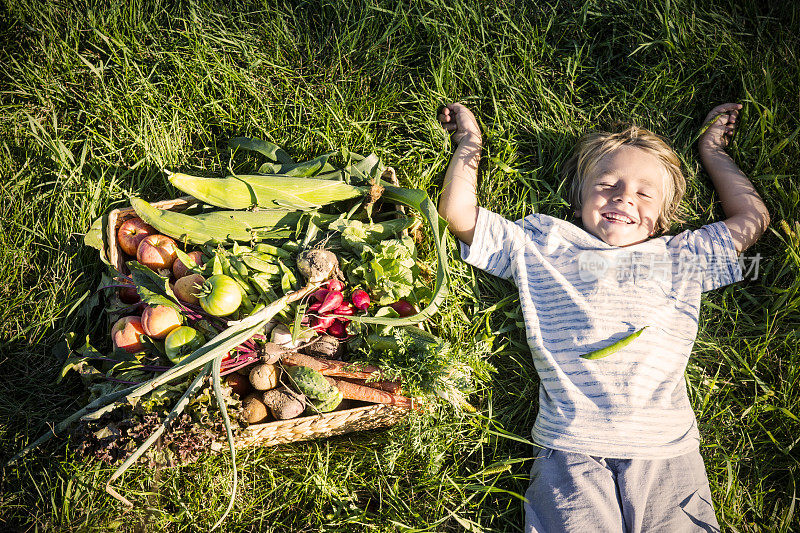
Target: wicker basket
(359, 418)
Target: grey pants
(572, 492)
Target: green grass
(96, 98)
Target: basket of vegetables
(281, 305)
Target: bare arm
(747, 216)
(458, 203)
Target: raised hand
(460, 122)
(720, 124)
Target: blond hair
(594, 146)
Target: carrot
(353, 391)
(393, 387)
(330, 367)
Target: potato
(264, 376)
(253, 409)
(284, 403)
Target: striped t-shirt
(579, 294)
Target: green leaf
(272, 151)
(419, 200)
(96, 237)
(152, 288)
(189, 262)
(306, 169)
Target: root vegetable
(264, 376)
(330, 367)
(345, 309)
(353, 391)
(403, 308)
(325, 346)
(335, 285)
(393, 387)
(337, 329)
(332, 300)
(284, 403)
(360, 299)
(127, 294)
(281, 336)
(271, 353)
(321, 323)
(253, 409)
(320, 294)
(317, 265)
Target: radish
(332, 300)
(403, 308)
(320, 294)
(337, 329)
(321, 323)
(344, 309)
(335, 285)
(360, 299)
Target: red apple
(126, 333)
(158, 321)
(186, 288)
(132, 232)
(128, 293)
(180, 270)
(156, 252)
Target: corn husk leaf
(272, 191)
(272, 151)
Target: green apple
(182, 341)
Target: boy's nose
(624, 196)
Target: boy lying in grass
(618, 444)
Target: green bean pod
(611, 348)
(292, 247)
(272, 250)
(261, 265)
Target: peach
(126, 333)
(158, 321)
(180, 270)
(132, 232)
(156, 252)
(186, 288)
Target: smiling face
(623, 195)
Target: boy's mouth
(617, 218)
